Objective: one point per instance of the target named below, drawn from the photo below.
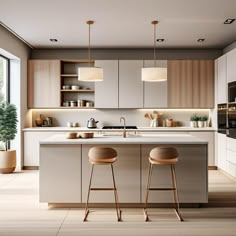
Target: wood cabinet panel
(203, 83)
(179, 83)
(43, 83)
(190, 83)
(155, 93)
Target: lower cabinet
(231, 156)
(59, 166)
(210, 137)
(221, 150)
(127, 175)
(31, 147)
(192, 164)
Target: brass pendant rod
(154, 40)
(90, 22)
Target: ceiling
(121, 23)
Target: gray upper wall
(229, 47)
(126, 54)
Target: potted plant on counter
(8, 130)
(202, 122)
(194, 121)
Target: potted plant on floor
(8, 130)
(194, 120)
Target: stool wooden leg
(89, 188)
(118, 211)
(147, 191)
(175, 191)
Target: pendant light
(91, 73)
(154, 74)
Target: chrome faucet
(124, 130)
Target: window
(4, 81)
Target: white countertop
(140, 129)
(131, 139)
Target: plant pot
(200, 124)
(7, 161)
(193, 124)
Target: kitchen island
(65, 169)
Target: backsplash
(112, 117)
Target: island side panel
(60, 173)
(191, 173)
(127, 175)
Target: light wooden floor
(22, 214)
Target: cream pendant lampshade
(90, 74)
(154, 74)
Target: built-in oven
(222, 118)
(231, 122)
(232, 92)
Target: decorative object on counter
(39, 121)
(92, 124)
(202, 122)
(194, 120)
(154, 74)
(75, 124)
(71, 135)
(69, 124)
(90, 74)
(47, 122)
(169, 122)
(154, 118)
(8, 130)
(66, 104)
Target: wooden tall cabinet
(190, 83)
(43, 83)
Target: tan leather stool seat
(102, 155)
(163, 155)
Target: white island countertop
(130, 139)
(140, 129)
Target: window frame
(7, 77)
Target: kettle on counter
(92, 123)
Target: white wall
(19, 53)
(112, 117)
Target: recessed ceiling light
(160, 40)
(229, 21)
(201, 40)
(53, 40)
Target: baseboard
(212, 168)
(30, 167)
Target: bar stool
(163, 155)
(102, 156)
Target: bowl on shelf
(75, 87)
(66, 87)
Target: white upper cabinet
(106, 91)
(155, 93)
(130, 84)
(221, 80)
(231, 66)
